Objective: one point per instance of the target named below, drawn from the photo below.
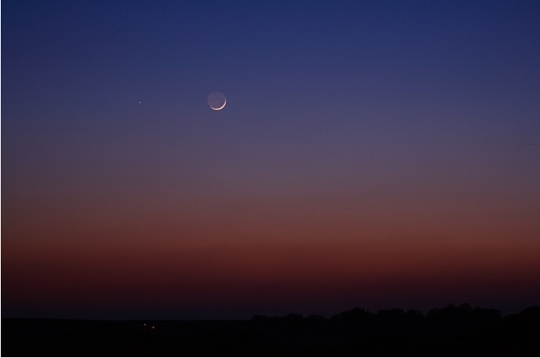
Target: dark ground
(451, 331)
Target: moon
(217, 101)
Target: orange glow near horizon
(164, 268)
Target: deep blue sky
(366, 147)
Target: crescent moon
(217, 101)
(220, 108)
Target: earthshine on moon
(217, 101)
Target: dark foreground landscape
(454, 330)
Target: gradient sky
(373, 154)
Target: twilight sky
(371, 154)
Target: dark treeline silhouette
(452, 330)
